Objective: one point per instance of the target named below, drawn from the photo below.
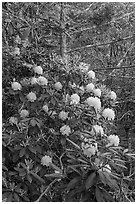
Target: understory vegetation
(68, 102)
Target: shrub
(60, 144)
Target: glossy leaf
(90, 180)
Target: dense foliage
(60, 122)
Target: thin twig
(100, 44)
(46, 190)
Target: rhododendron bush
(60, 143)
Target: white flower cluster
(75, 99)
(38, 70)
(46, 160)
(63, 115)
(91, 74)
(16, 51)
(58, 86)
(113, 140)
(16, 86)
(31, 97)
(34, 80)
(24, 113)
(112, 95)
(90, 87)
(89, 149)
(108, 114)
(98, 130)
(42, 81)
(65, 130)
(13, 120)
(97, 92)
(94, 102)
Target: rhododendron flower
(97, 92)
(97, 103)
(113, 95)
(18, 39)
(45, 108)
(46, 160)
(42, 81)
(108, 114)
(98, 129)
(38, 69)
(24, 113)
(113, 140)
(63, 115)
(31, 97)
(94, 102)
(13, 120)
(16, 51)
(107, 168)
(34, 80)
(89, 149)
(90, 87)
(91, 74)
(16, 86)
(74, 99)
(58, 86)
(65, 130)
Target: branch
(126, 67)
(119, 64)
(98, 45)
(17, 17)
(46, 190)
(113, 21)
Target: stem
(46, 190)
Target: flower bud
(45, 108)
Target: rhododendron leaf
(22, 173)
(10, 197)
(29, 178)
(37, 177)
(99, 195)
(72, 183)
(33, 149)
(22, 152)
(63, 141)
(16, 197)
(90, 180)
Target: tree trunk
(63, 43)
